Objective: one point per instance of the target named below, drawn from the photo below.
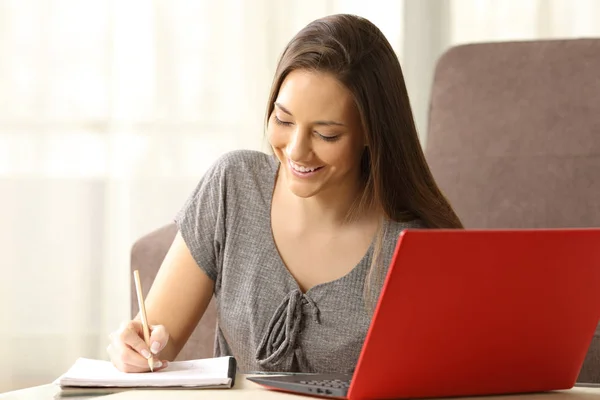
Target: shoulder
(396, 226)
(240, 163)
(243, 178)
(393, 229)
(237, 170)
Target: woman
(294, 245)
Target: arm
(177, 300)
(178, 297)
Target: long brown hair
(397, 177)
(395, 174)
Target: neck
(329, 208)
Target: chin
(302, 191)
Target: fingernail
(157, 364)
(145, 353)
(155, 347)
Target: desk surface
(245, 389)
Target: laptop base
(322, 385)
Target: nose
(299, 146)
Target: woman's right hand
(128, 351)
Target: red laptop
(474, 312)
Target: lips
(303, 169)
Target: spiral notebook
(101, 376)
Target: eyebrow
(328, 123)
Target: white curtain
(111, 110)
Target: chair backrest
(514, 138)
(147, 255)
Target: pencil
(140, 297)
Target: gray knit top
(264, 320)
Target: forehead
(314, 94)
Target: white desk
(245, 389)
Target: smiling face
(316, 133)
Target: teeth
(300, 168)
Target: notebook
(96, 375)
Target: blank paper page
(206, 372)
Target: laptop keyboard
(332, 383)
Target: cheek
(344, 156)
(340, 155)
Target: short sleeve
(201, 220)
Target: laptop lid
(469, 312)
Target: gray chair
(514, 138)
